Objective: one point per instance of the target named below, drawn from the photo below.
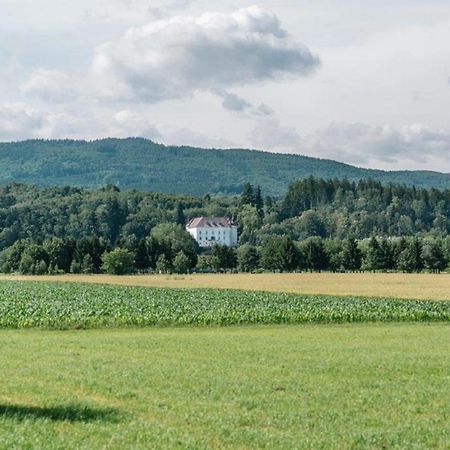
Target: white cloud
(50, 85)
(217, 69)
(386, 147)
(128, 123)
(174, 135)
(174, 58)
(270, 134)
(411, 146)
(90, 122)
(18, 119)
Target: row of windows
(212, 233)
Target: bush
(118, 261)
(41, 268)
(248, 258)
(181, 262)
(88, 264)
(163, 264)
(75, 267)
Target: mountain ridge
(138, 163)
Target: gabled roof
(210, 222)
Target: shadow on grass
(72, 413)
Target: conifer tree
(248, 195)
(258, 201)
(351, 258)
(180, 218)
(373, 260)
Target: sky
(366, 82)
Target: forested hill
(142, 164)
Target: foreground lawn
(75, 305)
(310, 386)
(396, 285)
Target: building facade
(208, 231)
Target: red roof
(210, 222)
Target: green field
(309, 386)
(74, 305)
(115, 367)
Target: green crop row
(66, 305)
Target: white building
(208, 231)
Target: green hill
(142, 164)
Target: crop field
(102, 366)
(395, 285)
(74, 305)
(310, 386)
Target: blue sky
(365, 82)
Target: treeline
(72, 230)
(317, 254)
(311, 207)
(169, 249)
(107, 214)
(339, 208)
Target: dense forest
(145, 165)
(317, 225)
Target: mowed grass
(395, 285)
(311, 386)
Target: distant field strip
(74, 305)
(393, 285)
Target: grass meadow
(392, 285)
(99, 366)
(308, 386)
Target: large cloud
(18, 119)
(411, 146)
(407, 147)
(174, 58)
